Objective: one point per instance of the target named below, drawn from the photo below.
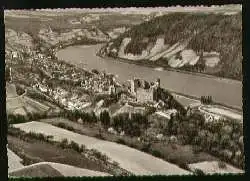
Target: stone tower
(158, 83)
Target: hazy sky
(226, 8)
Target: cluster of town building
(100, 83)
(69, 100)
(140, 91)
(96, 83)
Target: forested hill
(198, 42)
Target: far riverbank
(166, 68)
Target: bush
(157, 153)
(15, 119)
(146, 147)
(64, 143)
(199, 172)
(14, 131)
(184, 166)
(222, 165)
(64, 126)
(99, 155)
(75, 146)
(100, 136)
(121, 141)
(19, 90)
(132, 145)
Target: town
(67, 106)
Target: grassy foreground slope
(199, 32)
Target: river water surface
(225, 91)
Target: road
(217, 111)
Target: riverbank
(240, 110)
(150, 64)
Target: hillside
(31, 22)
(198, 42)
(27, 30)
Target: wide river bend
(225, 91)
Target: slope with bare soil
(196, 42)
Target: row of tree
(75, 115)
(17, 118)
(206, 100)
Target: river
(224, 91)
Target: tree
(170, 125)
(105, 118)
(222, 165)
(93, 116)
(225, 139)
(64, 143)
(215, 140)
(197, 119)
(191, 132)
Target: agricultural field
(40, 152)
(22, 104)
(14, 161)
(11, 90)
(45, 169)
(135, 161)
(180, 155)
(214, 167)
